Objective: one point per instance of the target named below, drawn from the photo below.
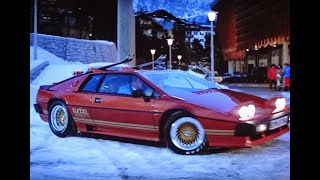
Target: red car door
(79, 103)
(116, 112)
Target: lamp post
(153, 51)
(179, 57)
(212, 15)
(35, 30)
(170, 42)
(257, 60)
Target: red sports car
(183, 111)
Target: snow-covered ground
(52, 157)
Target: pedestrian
(279, 77)
(286, 75)
(272, 76)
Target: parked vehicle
(236, 77)
(240, 77)
(206, 73)
(227, 76)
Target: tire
(60, 120)
(184, 134)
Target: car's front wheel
(60, 121)
(184, 134)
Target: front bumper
(246, 134)
(244, 141)
(249, 128)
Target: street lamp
(179, 57)
(170, 42)
(153, 51)
(212, 15)
(257, 58)
(35, 29)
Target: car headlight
(246, 112)
(280, 103)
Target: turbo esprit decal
(80, 112)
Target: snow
(167, 25)
(77, 157)
(104, 42)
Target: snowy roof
(162, 14)
(167, 25)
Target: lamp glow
(280, 103)
(212, 15)
(251, 110)
(170, 41)
(246, 112)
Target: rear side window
(92, 84)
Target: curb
(37, 70)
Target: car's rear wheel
(60, 120)
(184, 134)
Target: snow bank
(82, 50)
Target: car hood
(222, 100)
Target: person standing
(286, 74)
(272, 76)
(279, 77)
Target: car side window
(124, 84)
(116, 84)
(92, 83)
(137, 84)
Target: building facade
(197, 31)
(254, 34)
(78, 19)
(160, 21)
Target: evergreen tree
(179, 44)
(196, 50)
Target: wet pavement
(263, 92)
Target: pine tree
(179, 44)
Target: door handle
(97, 100)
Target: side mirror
(137, 93)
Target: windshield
(172, 82)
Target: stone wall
(82, 50)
